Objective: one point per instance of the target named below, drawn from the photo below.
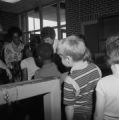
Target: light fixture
(11, 1)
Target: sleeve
(68, 92)
(8, 54)
(100, 87)
(23, 64)
(36, 76)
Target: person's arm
(4, 66)
(23, 66)
(37, 74)
(69, 111)
(24, 74)
(100, 103)
(69, 98)
(8, 56)
(63, 77)
(9, 74)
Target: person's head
(112, 49)
(48, 35)
(27, 52)
(15, 33)
(72, 49)
(44, 52)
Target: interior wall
(8, 19)
(84, 11)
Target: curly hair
(13, 30)
(45, 51)
(47, 32)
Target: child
(80, 84)
(48, 69)
(48, 36)
(107, 102)
(28, 64)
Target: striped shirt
(79, 87)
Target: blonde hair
(75, 47)
(112, 49)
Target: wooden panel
(50, 89)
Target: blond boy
(79, 85)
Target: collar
(79, 66)
(14, 45)
(115, 69)
(47, 65)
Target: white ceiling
(23, 5)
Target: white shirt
(109, 88)
(30, 65)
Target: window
(33, 20)
(48, 16)
(62, 19)
(62, 13)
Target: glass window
(63, 32)
(50, 15)
(62, 13)
(33, 20)
(30, 24)
(56, 32)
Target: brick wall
(78, 11)
(94, 9)
(72, 16)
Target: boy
(79, 85)
(48, 69)
(107, 98)
(48, 36)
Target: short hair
(45, 51)
(112, 49)
(13, 30)
(75, 47)
(47, 32)
(26, 47)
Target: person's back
(48, 69)
(80, 84)
(107, 102)
(110, 87)
(86, 79)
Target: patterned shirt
(79, 87)
(12, 53)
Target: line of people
(86, 95)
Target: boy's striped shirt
(84, 83)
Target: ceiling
(23, 5)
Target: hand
(9, 73)
(63, 76)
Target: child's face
(16, 38)
(49, 40)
